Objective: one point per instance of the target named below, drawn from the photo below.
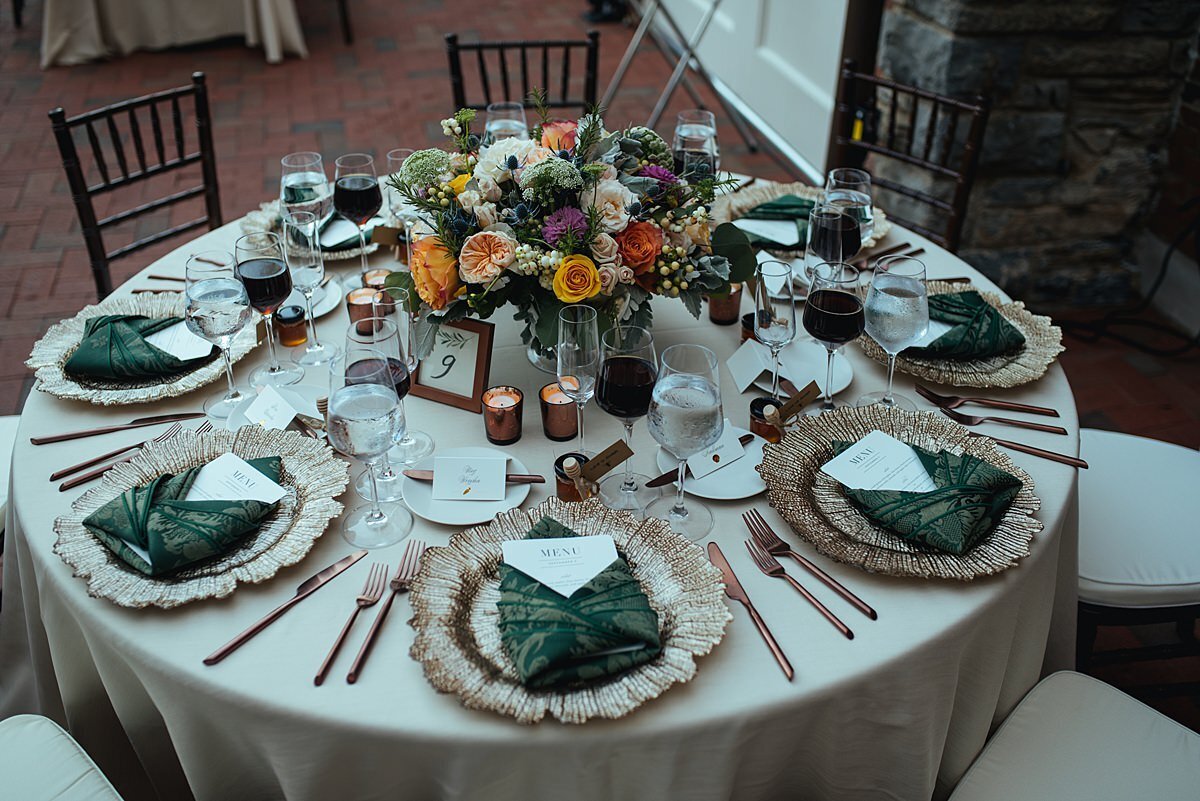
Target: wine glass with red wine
(833, 314)
(356, 194)
(381, 335)
(834, 236)
(628, 370)
(262, 269)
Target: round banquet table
(898, 712)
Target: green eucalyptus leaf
(732, 243)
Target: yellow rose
(576, 279)
(460, 183)
(434, 272)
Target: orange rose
(559, 134)
(640, 243)
(434, 271)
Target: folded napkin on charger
(979, 329)
(971, 497)
(556, 641)
(154, 531)
(114, 347)
(786, 208)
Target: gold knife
(138, 423)
(511, 478)
(733, 588)
(303, 591)
(673, 474)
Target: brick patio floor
(387, 90)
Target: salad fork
(954, 401)
(770, 566)
(410, 563)
(75, 468)
(203, 428)
(372, 591)
(974, 420)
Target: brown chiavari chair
(165, 153)
(935, 139)
(530, 68)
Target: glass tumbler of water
(217, 310)
(851, 189)
(505, 121)
(694, 147)
(303, 186)
(685, 418)
(897, 316)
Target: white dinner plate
(325, 299)
(733, 482)
(804, 361)
(301, 397)
(418, 495)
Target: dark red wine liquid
(833, 316)
(357, 197)
(267, 282)
(625, 385)
(364, 367)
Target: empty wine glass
(685, 418)
(217, 310)
(623, 389)
(415, 444)
(263, 270)
(850, 189)
(833, 237)
(774, 311)
(401, 210)
(307, 265)
(833, 314)
(364, 415)
(578, 358)
(505, 121)
(303, 186)
(694, 147)
(381, 334)
(356, 194)
(897, 316)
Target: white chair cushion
(1074, 738)
(1139, 522)
(8, 436)
(40, 762)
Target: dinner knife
(307, 588)
(511, 478)
(1062, 458)
(733, 589)
(137, 423)
(673, 474)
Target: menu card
(726, 450)
(179, 341)
(231, 478)
(880, 462)
(469, 478)
(564, 564)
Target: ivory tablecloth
(77, 31)
(899, 712)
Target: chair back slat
(483, 76)
(556, 79)
(566, 74)
(113, 117)
(504, 74)
(524, 66)
(931, 130)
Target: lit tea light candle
(360, 305)
(559, 422)
(375, 279)
(502, 408)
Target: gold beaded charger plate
(1043, 343)
(51, 352)
(734, 204)
(311, 472)
(457, 623)
(267, 218)
(817, 509)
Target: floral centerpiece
(574, 214)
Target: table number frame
(449, 344)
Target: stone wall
(1084, 97)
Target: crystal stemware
(897, 316)
(850, 189)
(694, 146)
(217, 310)
(380, 334)
(356, 195)
(505, 120)
(415, 444)
(833, 314)
(624, 387)
(303, 186)
(307, 265)
(262, 269)
(774, 311)
(578, 358)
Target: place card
(795, 403)
(880, 462)
(270, 410)
(748, 362)
(564, 564)
(726, 451)
(179, 341)
(600, 464)
(231, 478)
(469, 478)
(782, 232)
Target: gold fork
(372, 591)
(770, 566)
(410, 564)
(205, 427)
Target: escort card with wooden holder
(456, 371)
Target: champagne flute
(578, 358)
(307, 266)
(380, 334)
(774, 311)
(364, 415)
(356, 194)
(685, 418)
(505, 121)
(850, 189)
(403, 212)
(834, 237)
(623, 389)
(217, 310)
(415, 444)
(897, 316)
(303, 186)
(263, 271)
(833, 314)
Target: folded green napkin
(154, 531)
(556, 641)
(784, 207)
(979, 329)
(971, 498)
(114, 347)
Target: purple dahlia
(565, 219)
(658, 173)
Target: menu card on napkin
(880, 462)
(726, 450)
(469, 478)
(179, 341)
(270, 410)
(783, 232)
(231, 478)
(564, 564)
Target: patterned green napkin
(556, 641)
(154, 531)
(114, 347)
(784, 207)
(979, 329)
(971, 498)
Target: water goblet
(415, 444)
(380, 334)
(897, 316)
(217, 310)
(833, 237)
(303, 186)
(850, 189)
(505, 120)
(694, 146)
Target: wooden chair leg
(1085, 638)
(18, 8)
(344, 13)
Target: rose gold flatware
(974, 420)
(673, 475)
(954, 401)
(879, 254)
(510, 478)
(306, 588)
(158, 277)
(148, 290)
(955, 279)
(410, 563)
(770, 566)
(735, 591)
(136, 423)
(371, 592)
(204, 428)
(104, 457)
(1061, 458)
(770, 542)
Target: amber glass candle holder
(502, 408)
(375, 279)
(723, 308)
(559, 422)
(291, 326)
(564, 485)
(360, 305)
